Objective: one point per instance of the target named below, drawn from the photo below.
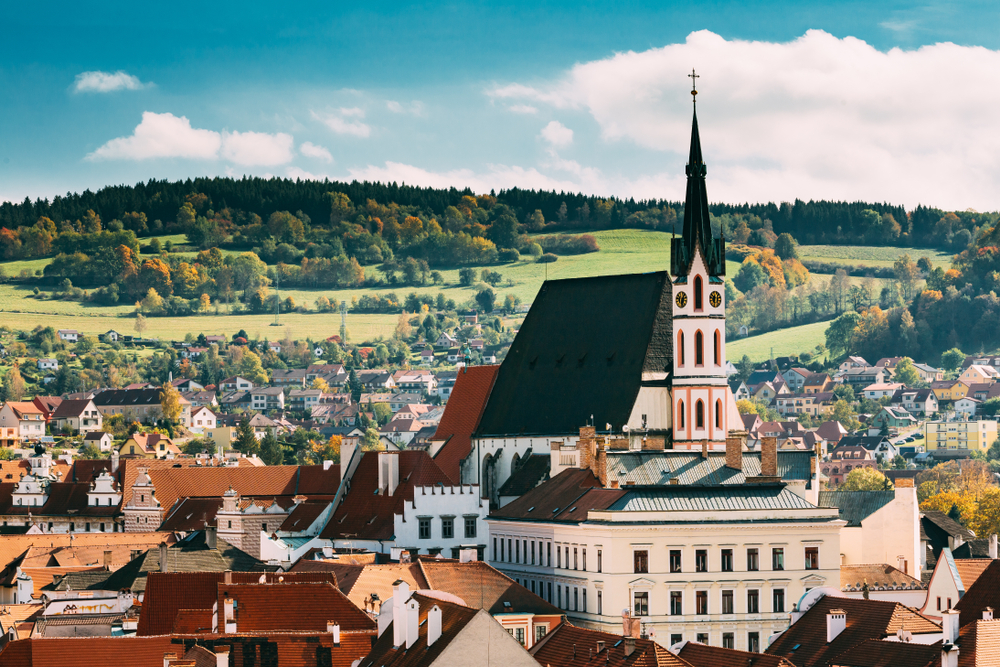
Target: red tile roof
(483, 587)
(570, 646)
(984, 593)
(454, 619)
(979, 642)
(702, 655)
(366, 515)
(804, 642)
(877, 653)
(461, 417)
(566, 497)
(86, 651)
(292, 607)
(168, 593)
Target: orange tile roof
(979, 642)
(970, 569)
(454, 618)
(292, 607)
(86, 651)
(984, 593)
(483, 587)
(570, 646)
(461, 417)
(878, 576)
(13, 546)
(878, 653)
(358, 582)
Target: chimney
(327, 465)
(993, 546)
(988, 614)
(163, 558)
(227, 577)
(221, 656)
(629, 646)
(836, 621)
(949, 625)
(334, 629)
(169, 658)
(114, 460)
(210, 537)
(601, 465)
(433, 625)
(586, 446)
(949, 655)
(400, 594)
(107, 559)
(388, 472)
(734, 452)
(412, 621)
(769, 456)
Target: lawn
(874, 256)
(782, 342)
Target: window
(576, 599)
(701, 560)
(728, 640)
(753, 601)
(753, 642)
(576, 558)
(727, 602)
(584, 559)
(524, 550)
(519, 635)
(470, 526)
(640, 603)
(584, 599)
(675, 560)
(718, 414)
(72, 527)
(532, 585)
(676, 639)
(447, 528)
(702, 638)
(949, 603)
(680, 348)
(550, 592)
(510, 551)
(717, 346)
(540, 631)
(600, 557)
(680, 415)
(558, 556)
(699, 414)
(753, 563)
(676, 603)
(550, 564)
(559, 596)
(699, 348)
(424, 528)
(698, 303)
(778, 600)
(501, 549)
(640, 561)
(778, 558)
(939, 603)
(812, 558)
(517, 551)
(87, 527)
(600, 603)
(532, 552)
(701, 603)
(727, 560)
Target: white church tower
(703, 407)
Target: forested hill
(808, 222)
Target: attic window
(572, 510)
(506, 605)
(555, 510)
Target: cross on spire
(694, 84)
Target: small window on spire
(698, 301)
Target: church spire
(697, 231)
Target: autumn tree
(325, 451)
(865, 479)
(140, 323)
(13, 384)
(170, 403)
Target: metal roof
(856, 506)
(653, 468)
(700, 499)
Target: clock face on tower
(715, 299)
(682, 299)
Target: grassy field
(870, 255)
(783, 342)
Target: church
(638, 356)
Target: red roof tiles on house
(292, 607)
(86, 651)
(570, 646)
(702, 655)
(461, 417)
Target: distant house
(236, 383)
(69, 335)
(979, 373)
(183, 384)
(267, 398)
(202, 419)
(445, 340)
(862, 377)
(99, 439)
(853, 362)
(891, 419)
(883, 390)
(111, 336)
(968, 406)
(218, 340)
(291, 377)
(843, 460)
(48, 364)
(876, 444)
(318, 352)
(949, 390)
(928, 373)
(427, 357)
(795, 378)
(149, 446)
(81, 416)
(921, 402)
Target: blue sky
(846, 100)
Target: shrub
(532, 249)
(547, 258)
(568, 244)
(509, 255)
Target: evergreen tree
(271, 451)
(246, 441)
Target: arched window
(699, 348)
(718, 348)
(680, 348)
(718, 413)
(699, 414)
(697, 293)
(680, 418)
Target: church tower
(700, 390)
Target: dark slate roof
(979, 548)
(651, 467)
(869, 442)
(680, 498)
(530, 474)
(553, 500)
(127, 397)
(856, 506)
(581, 352)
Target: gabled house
(853, 362)
(818, 383)
(68, 335)
(236, 383)
(928, 373)
(20, 422)
(881, 390)
(202, 420)
(878, 445)
(795, 378)
(949, 390)
(80, 416)
(149, 446)
(267, 398)
(48, 364)
(844, 459)
(949, 581)
(967, 406)
(919, 402)
(445, 341)
(891, 419)
(740, 390)
(100, 439)
(862, 377)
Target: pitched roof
(878, 576)
(970, 569)
(684, 498)
(550, 500)
(127, 397)
(570, 646)
(561, 369)
(86, 651)
(532, 471)
(483, 587)
(68, 409)
(461, 417)
(856, 506)
(979, 642)
(804, 642)
(985, 592)
(879, 653)
(367, 515)
(702, 655)
(292, 606)
(22, 408)
(654, 467)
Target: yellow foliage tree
(986, 519)
(865, 479)
(944, 501)
(170, 403)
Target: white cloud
(416, 108)
(310, 149)
(339, 123)
(302, 174)
(557, 134)
(106, 82)
(817, 117)
(162, 135)
(257, 148)
(522, 108)
(495, 177)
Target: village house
(203, 420)
(48, 364)
(795, 378)
(884, 390)
(267, 398)
(20, 422)
(919, 402)
(78, 416)
(818, 383)
(99, 439)
(949, 390)
(68, 335)
(236, 383)
(979, 373)
(891, 420)
(149, 446)
(142, 405)
(844, 459)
